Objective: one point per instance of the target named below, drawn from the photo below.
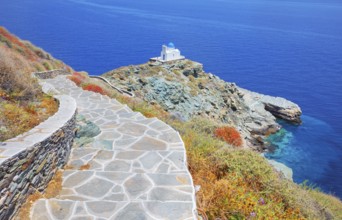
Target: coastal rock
(277, 106)
(280, 167)
(184, 90)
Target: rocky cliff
(185, 90)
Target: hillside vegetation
(234, 183)
(23, 105)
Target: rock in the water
(280, 167)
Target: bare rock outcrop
(182, 88)
(277, 106)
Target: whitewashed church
(168, 53)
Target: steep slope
(34, 58)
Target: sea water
(312, 150)
(287, 48)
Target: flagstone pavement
(134, 169)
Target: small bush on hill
(94, 88)
(82, 80)
(76, 79)
(229, 135)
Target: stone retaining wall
(51, 74)
(30, 160)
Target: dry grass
(17, 117)
(240, 184)
(36, 58)
(85, 167)
(52, 190)
(15, 77)
(23, 104)
(328, 203)
(68, 167)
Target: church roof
(171, 45)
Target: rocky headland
(185, 90)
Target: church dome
(171, 45)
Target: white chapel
(169, 53)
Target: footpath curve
(134, 169)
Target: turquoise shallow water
(304, 149)
(287, 48)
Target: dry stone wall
(29, 161)
(51, 74)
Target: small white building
(169, 53)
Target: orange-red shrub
(77, 78)
(11, 37)
(77, 74)
(94, 88)
(229, 135)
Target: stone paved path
(135, 168)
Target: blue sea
(288, 48)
